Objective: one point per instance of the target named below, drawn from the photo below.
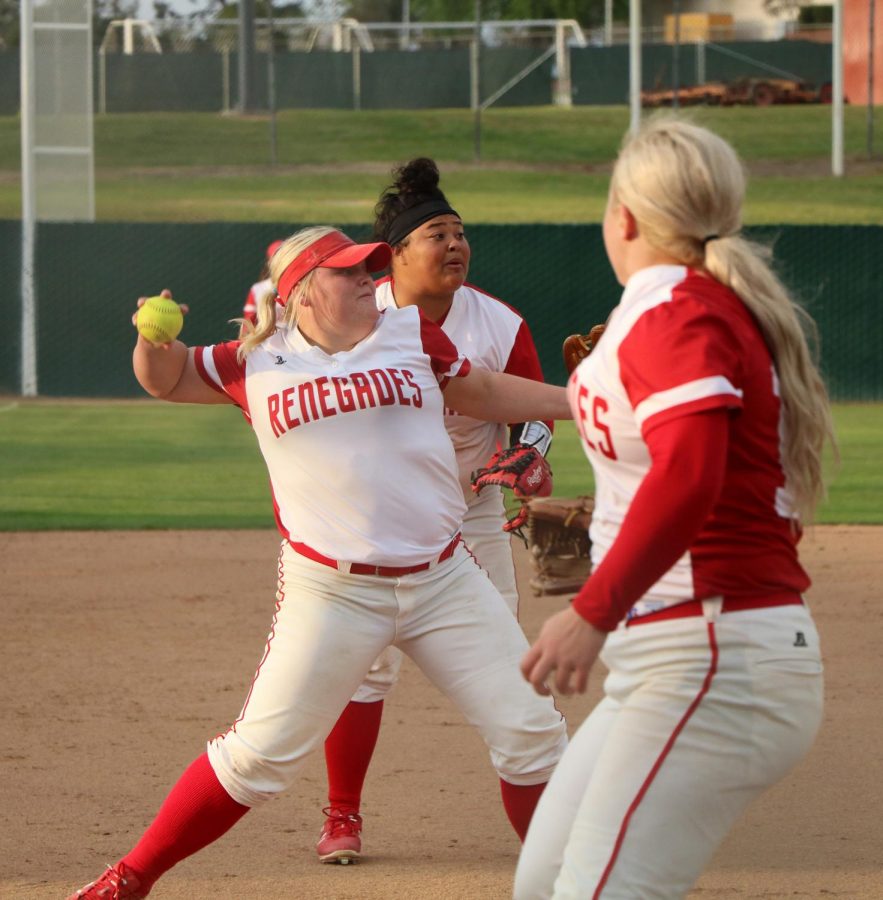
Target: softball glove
(578, 346)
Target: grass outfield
(148, 464)
(539, 164)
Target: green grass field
(86, 464)
(538, 164)
(147, 464)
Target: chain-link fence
(429, 78)
(556, 275)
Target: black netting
(89, 276)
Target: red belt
(366, 569)
(730, 604)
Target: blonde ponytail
(790, 333)
(685, 187)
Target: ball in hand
(159, 320)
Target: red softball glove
(520, 468)
(523, 470)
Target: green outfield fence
(389, 79)
(88, 277)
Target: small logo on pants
(800, 640)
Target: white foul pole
(635, 64)
(28, 206)
(837, 91)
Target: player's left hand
(568, 646)
(520, 468)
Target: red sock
(348, 751)
(196, 812)
(519, 801)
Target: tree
(786, 8)
(9, 24)
(586, 12)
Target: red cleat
(116, 883)
(340, 841)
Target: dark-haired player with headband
(430, 262)
(347, 403)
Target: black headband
(411, 218)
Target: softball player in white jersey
(703, 418)
(429, 266)
(347, 403)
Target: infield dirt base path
(122, 652)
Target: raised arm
(498, 397)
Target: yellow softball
(159, 320)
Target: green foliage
(148, 464)
(9, 24)
(816, 15)
(587, 12)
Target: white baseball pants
(328, 628)
(700, 716)
(484, 536)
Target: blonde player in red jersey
(428, 270)
(347, 403)
(704, 419)
(260, 290)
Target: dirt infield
(121, 652)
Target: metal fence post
(102, 82)
(563, 84)
(357, 76)
(225, 80)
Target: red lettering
(363, 390)
(606, 445)
(595, 422)
(287, 404)
(306, 395)
(582, 395)
(324, 390)
(273, 407)
(417, 399)
(398, 381)
(384, 390)
(345, 400)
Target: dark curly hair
(414, 183)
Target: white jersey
(493, 337)
(324, 424)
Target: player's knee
(248, 776)
(380, 677)
(531, 754)
(369, 692)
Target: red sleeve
(525, 361)
(523, 358)
(689, 456)
(230, 370)
(680, 358)
(444, 357)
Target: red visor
(334, 251)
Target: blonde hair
(287, 252)
(685, 187)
